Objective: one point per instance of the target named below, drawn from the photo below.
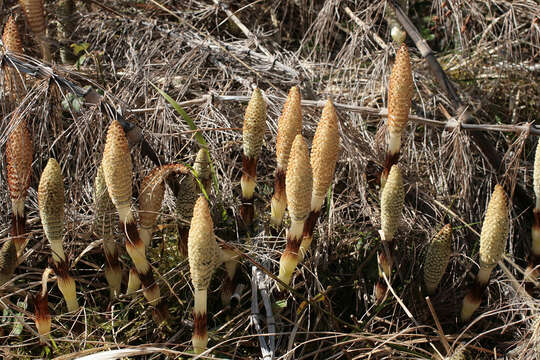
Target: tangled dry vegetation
(208, 56)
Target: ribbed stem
(290, 258)
(279, 200)
(200, 334)
(392, 155)
(137, 252)
(41, 309)
(473, 299)
(113, 270)
(134, 283)
(309, 226)
(66, 284)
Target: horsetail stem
(492, 244)
(324, 154)
(104, 226)
(51, 210)
(117, 171)
(400, 92)
(392, 198)
(289, 125)
(252, 136)
(42, 316)
(299, 185)
(19, 154)
(204, 257)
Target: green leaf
(198, 136)
(78, 48)
(200, 139)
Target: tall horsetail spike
(51, 207)
(289, 125)
(437, 258)
(14, 81)
(492, 244)
(299, 180)
(19, 154)
(324, 154)
(117, 170)
(252, 139)
(35, 16)
(11, 38)
(494, 231)
(104, 220)
(392, 199)
(254, 125)
(204, 257)
(400, 91)
(299, 185)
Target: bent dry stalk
(400, 90)
(117, 170)
(492, 244)
(104, 226)
(324, 155)
(19, 154)
(51, 211)
(437, 258)
(204, 257)
(392, 199)
(299, 184)
(42, 316)
(252, 139)
(289, 125)
(150, 201)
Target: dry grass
(191, 49)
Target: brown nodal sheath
(472, 300)
(134, 243)
(309, 225)
(385, 266)
(391, 159)
(42, 314)
(199, 325)
(249, 166)
(307, 234)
